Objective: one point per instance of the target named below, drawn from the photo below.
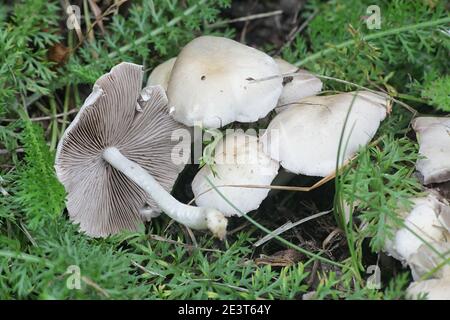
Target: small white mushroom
(433, 289)
(239, 160)
(211, 83)
(431, 257)
(299, 86)
(113, 159)
(161, 74)
(426, 222)
(433, 134)
(305, 137)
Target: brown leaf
(58, 53)
(280, 259)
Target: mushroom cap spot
(302, 85)
(102, 200)
(308, 132)
(210, 83)
(239, 160)
(433, 134)
(161, 74)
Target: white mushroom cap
(435, 289)
(297, 87)
(424, 221)
(161, 74)
(433, 134)
(309, 131)
(239, 160)
(428, 219)
(211, 83)
(426, 259)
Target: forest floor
(48, 69)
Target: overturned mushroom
(211, 83)
(161, 74)
(239, 160)
(433, 134)
(309, 131)
(116, 156)
(301, 85)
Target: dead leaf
(282, 258)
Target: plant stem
(65, 108)
(54, 124)
(376, 35)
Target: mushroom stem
(197, 218)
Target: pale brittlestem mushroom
(309, 132)
(428, 221)
(238, 160)
(298, 84)
(117, 155)
(210, 83)
(432, 289)
(161, 74)
(433, 134)
(423, 243)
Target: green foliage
(131, 266)
(438, 92)
(378, 183)
(38, 191)
(24, 40)
(394, 62)
(145, 36)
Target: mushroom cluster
(115, 159)
(423, 243)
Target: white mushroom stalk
(116, 157)
(196, 218)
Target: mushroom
(433, 134)
(434, 289)
(296, 87)
(309, 131)
(424, 261)
(428, 257)
(161, 74)
(425, 225)
(211, 83)
(116, 156)
(239, 160)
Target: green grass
(407, 58)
